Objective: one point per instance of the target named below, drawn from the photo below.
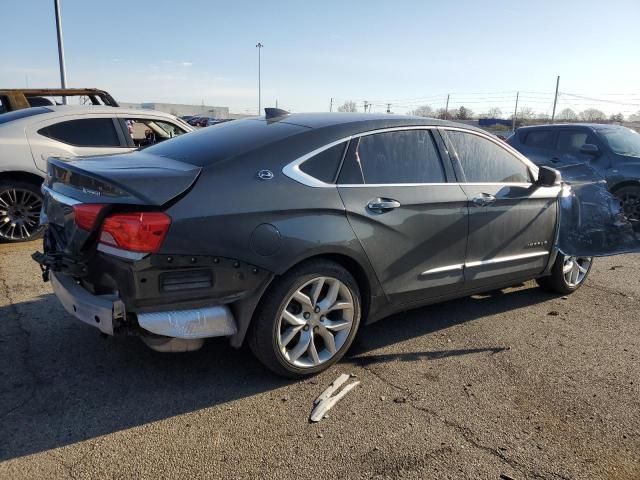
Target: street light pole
(259, 47)
(63, 71)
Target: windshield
(623, 141)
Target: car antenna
(271, 112)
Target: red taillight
(136, 232)
(86, 214)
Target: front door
(410, 221)
(512, 221)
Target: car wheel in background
(567, 274)
(307, 319)
(20, 204)
(630, 199)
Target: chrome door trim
(447, 268)
(509, 258)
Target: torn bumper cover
(107, 312)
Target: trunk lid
(130, 182)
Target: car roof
(366, 120)
(38, 114)
(594, 126)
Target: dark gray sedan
(291, 231)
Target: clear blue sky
(403, 52)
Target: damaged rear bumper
(107, 313)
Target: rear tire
(567, 274)
(307, 319)
(20, 204)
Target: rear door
(512, 221)
(407, 212)
(75, 136)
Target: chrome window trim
(292, 170)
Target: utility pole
(366, 104)
(388, 108)
(555, 100)
(446, 109)
(331, 105)
(515, 113)
(259, 47)
(63, 71)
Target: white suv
(29, 137)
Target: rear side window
(573, 140)
(484, 161)
(324, 166)
(88, 132)
(539, 139)
(398, 157)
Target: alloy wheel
(575, 270)
(316, 322)
(19, 214)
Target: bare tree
(545, 117)
(526, 113)
(463, 113)
(618, 118)
(568, 115)
(635, 117)
(423, 111)
(494, 112)
(348, 106)
(443, 114)
(592, 115)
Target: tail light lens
(136, 232)
(85, 214)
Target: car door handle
(381, 205)
(483, 200)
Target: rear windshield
(24, 113)
(224, 140)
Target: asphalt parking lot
(515, 384)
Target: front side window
(408, 156)
(484, 161)
(622, 141)
(145, 132)
(572, 140)
(539, 139)
(86, 132)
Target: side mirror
(590, 149)
(548, 177)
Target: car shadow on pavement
(63, 383)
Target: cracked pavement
(481, 387)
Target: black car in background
(588, 151)
(292, 230)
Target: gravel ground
(514, 384)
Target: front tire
(307, 319)
(567, 274)
(20, 204)
(630, 199)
